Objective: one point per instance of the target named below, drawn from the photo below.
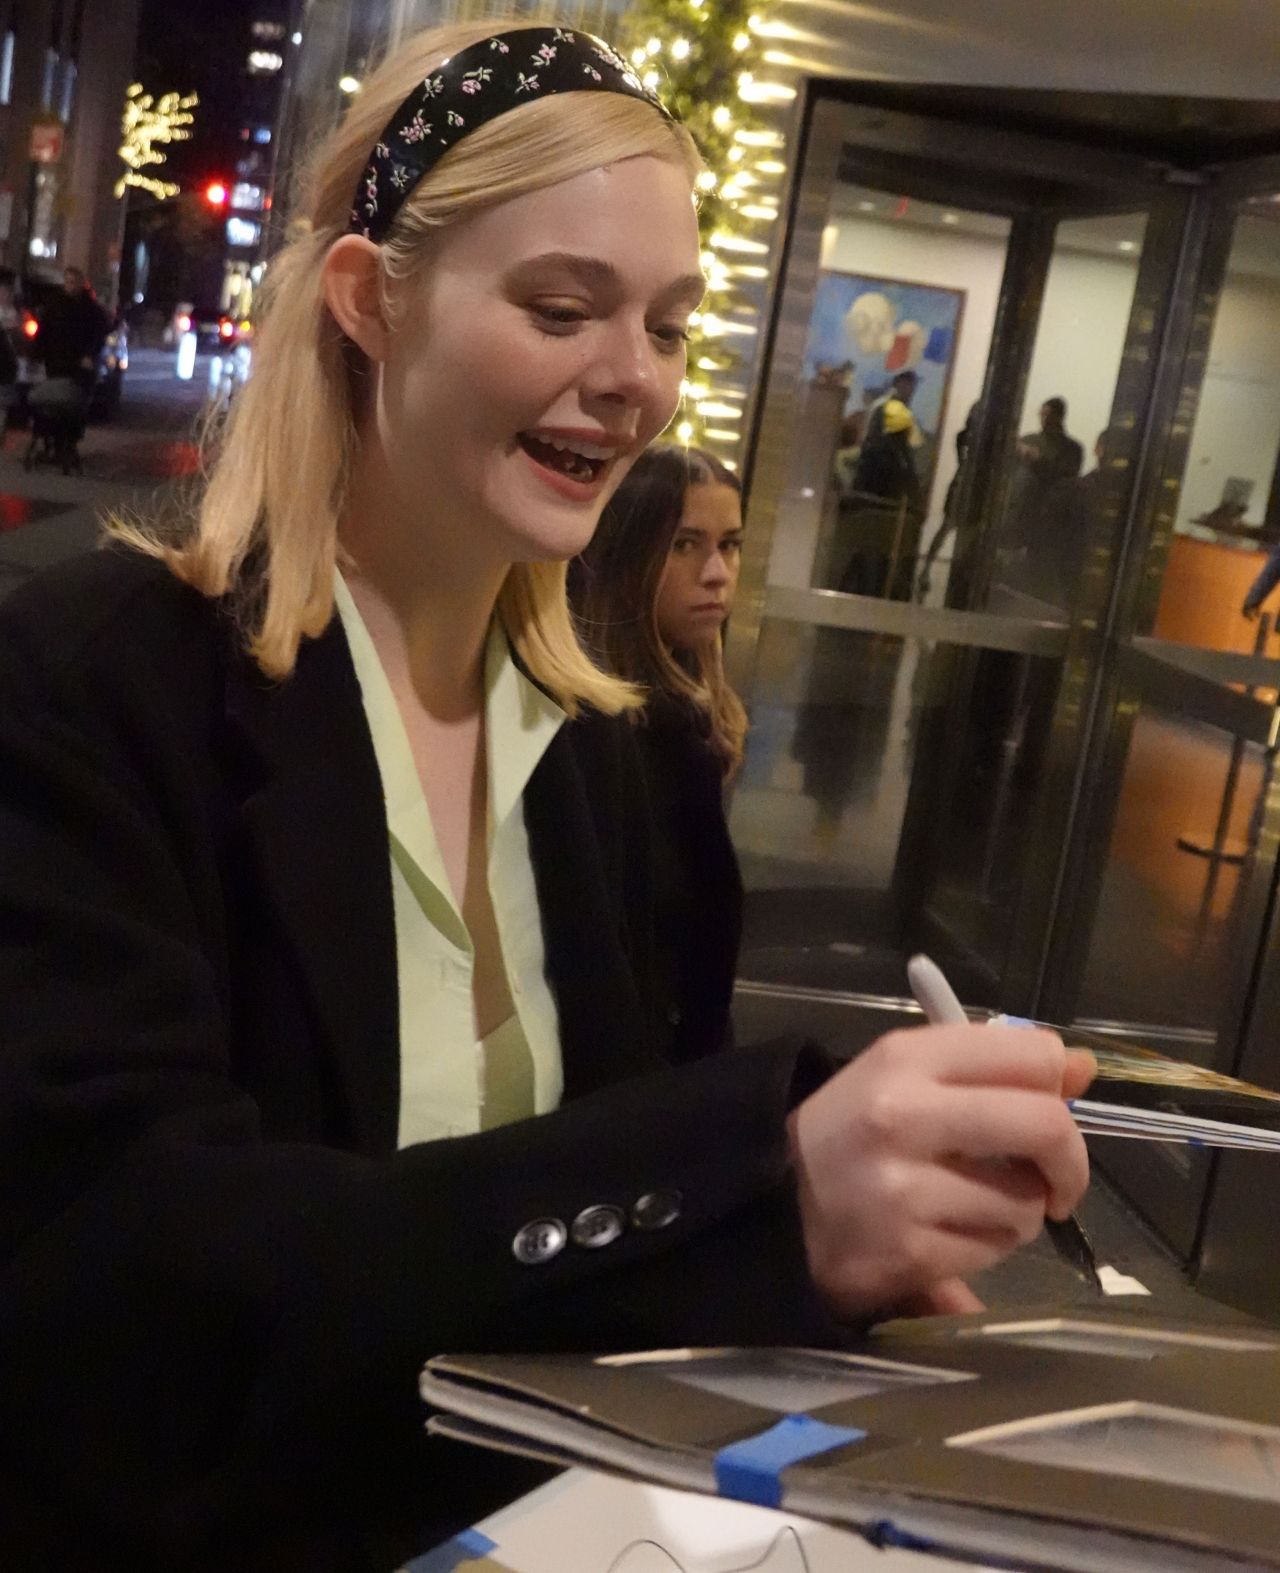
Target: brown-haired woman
(325, 913)
(652, 593)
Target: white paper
(583, 1522)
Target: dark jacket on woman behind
(697, 884)
(218, 1278)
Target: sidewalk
(131, 463)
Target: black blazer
(218, 1279)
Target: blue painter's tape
(750, 1470)
(469, 1546)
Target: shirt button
(656, 1209)
(597, 1226)
(539, 1241)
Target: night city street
(131, 461)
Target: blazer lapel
(319, 826)
(604, 1023)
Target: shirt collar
(520, 723)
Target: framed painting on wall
(866, 330)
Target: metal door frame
(1077, 180)
(1191, 224)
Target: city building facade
(64, 68)
(250, 195)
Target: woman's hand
(933, 1155)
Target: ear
(353, 293)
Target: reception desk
(1205, 583)
(1173, 792)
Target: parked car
(214, 330)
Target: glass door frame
(1093, 727)
(1036, 182)
(1205, 1209)
(1211, 1214)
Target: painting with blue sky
(878, 327)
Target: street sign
(47, 142)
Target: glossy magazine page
(1142, 1094)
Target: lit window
(267, 30)
(262, 135)
(6, 67)
(264, 62)
(48, 78)
(248, 198)
(67, 98)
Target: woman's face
(695, 593)
(542, 352)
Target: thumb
(948, 1297)
(1081, 1070)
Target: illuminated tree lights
(150, 124)
(704, 57)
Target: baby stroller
(58, 409)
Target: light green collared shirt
(450, 1083)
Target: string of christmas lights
(705, 57)
(148, 125)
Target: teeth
(588, 450)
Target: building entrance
(1014, 471)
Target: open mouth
(581, 462)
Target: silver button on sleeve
(597, 1226)
(539, 1241)
(657, 1209)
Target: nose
(715, 573)
(624, 371)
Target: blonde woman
(325, 1003)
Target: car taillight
(184, 323)
(226, 329)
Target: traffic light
(216, 194)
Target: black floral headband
(473, 87)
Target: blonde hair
(266, 529)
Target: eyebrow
(596, 273)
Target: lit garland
(149, 125)
(704, 57)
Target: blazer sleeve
(201, 1329)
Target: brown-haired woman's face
(543, 352)
(695, 594)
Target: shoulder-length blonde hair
(615, 585)
(265, 532)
